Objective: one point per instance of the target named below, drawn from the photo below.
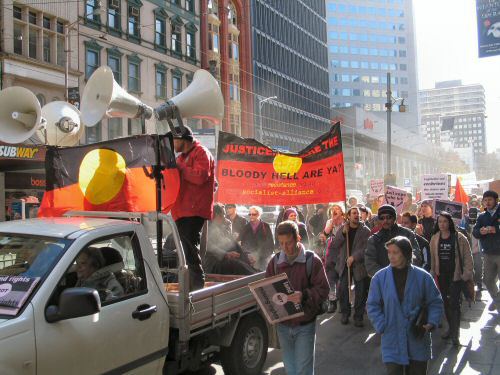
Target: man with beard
(376, 254)
(237, 222)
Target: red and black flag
(249, 172)
(114, 175)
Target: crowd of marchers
(404, 270)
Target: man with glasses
(376, 254)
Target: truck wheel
(248, 351)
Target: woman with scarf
(257, 239)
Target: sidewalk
(480, 339)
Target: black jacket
(376, 254)
(428, 224)
(237, 224)
(425, 249)
(490, 243)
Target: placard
(435, 186)
(455, 209)
(376, 187)
(14, 290)
(272, 296)
(395, 197)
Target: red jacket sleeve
(200, 170)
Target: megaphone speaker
(63, 126)
(201, 99)
(102, 96)
(20, 114)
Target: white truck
(143, 326)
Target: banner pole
(159, 223)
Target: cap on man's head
(490, 193)
(183, 133)
(387, 209)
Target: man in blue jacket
(487, 231)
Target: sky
(446, 33)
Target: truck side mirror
(74, 303)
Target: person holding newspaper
(297, 336)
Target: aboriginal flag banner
(250, 173)
(115, 175)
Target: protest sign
(455, 209)
(376, 187)
(395, 197)
(272, 296)
(249, 172)
(435, 186)
(14, 290)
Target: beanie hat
(183, 133)
(491, 193)
(288, 212)
(387, 209)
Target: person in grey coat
(92, 273)
(350, 243)
(376, 254)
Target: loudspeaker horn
(201, 99)
(20, 114)
(102, 96)
(63, 127)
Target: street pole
(354, 159)
(388, 105)
(66, 63)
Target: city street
(349, 350)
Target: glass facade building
(290, 62)
(366, 40)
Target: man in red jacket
(194, 203)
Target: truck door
(130, 333)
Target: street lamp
(402, 108)
(261, 102)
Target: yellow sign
(287, 164)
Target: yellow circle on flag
(287, 164)
(101, 175)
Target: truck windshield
(24, 262)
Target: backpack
(323, 307)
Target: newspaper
(272, 296)
(14, 290)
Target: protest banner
(376, 187)
(435, 186)
(395, 197)
(14, 290)
(455, 209)
(272, 296)
(249, 172)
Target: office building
(366, 40)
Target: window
(402, 53)
(401, 40)
(33, 39)
(46, 48)
(91, 10)
(18, 39)
(93, 133)
(18, 13)
(114, 14)
(160, 32)
(46, 23)
(190, 6)
(161, 86)
(136, 126)
(133, 21)
(191, 49)
(120, 257)
(115, 128)
(134, 82)
(32, 18)
(402, 67)
(176, 38)
(115, 65)
(60, 27)
(91, 62)
(176, 85)
(61, 54)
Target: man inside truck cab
(194, 203)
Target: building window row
(168, 30)
(365, 24)
(354, 64)
(38, 36)
(343, 35)
(336, 77)
(374, 11)
(365, 51)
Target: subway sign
(22, 152)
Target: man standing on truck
(297, 336)
(194, 203)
